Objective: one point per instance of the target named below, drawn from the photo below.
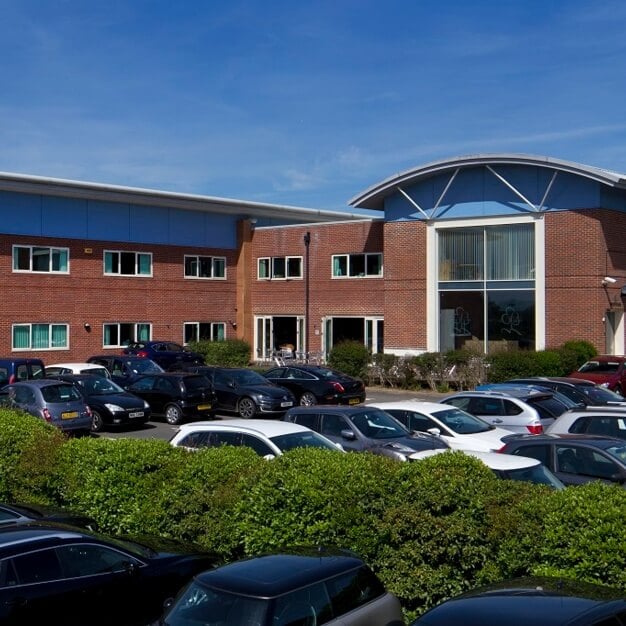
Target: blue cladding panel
(108, 221)
(20, 213)
(477, 192)
(63, 217)
(150, 224)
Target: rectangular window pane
(374, 264)
(461, 321)
(461, 255)
(294, 267)
(40, 336)
(127, 334)
(219, 332)
(145, 264)
(204, 331)
(357, 265)
(143, 332)
(111, 262)
(21, 258)
(190, 331)
(340, 265)
(219, 267)
(59, 260)
(264, 268)
(59, 336)
(41, 259)
(21, 337)
(511, 320)
(278, 267)
(127, 263)
(110, 335)
(191, 266)
(206, 264)
(511, 252)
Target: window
(40, 259)
(205, 267)
(358, 265)
(204, 331)
(118, 335)
(127, 263)
(280, 267)
(40, 336)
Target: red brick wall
(85, 295)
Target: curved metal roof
(374, 196)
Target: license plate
(68, 415)
(204, 407)
(136, 414)
(284, 404)
(353, 401)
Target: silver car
(57, 402)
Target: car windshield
(143, 366)
(377, 424)
(618, 451)
(302, 440)
(461, 422)
(600, 366)
(538, 474)
(199, 605)
(60, 393)
(248, 377)
(95, 385)
(600, 395)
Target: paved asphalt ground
(158, 429)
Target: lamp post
(307, 243)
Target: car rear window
(547, 407)
(196, 382)
(60, 393)
(600, 366)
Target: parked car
(55, 401)
(531, 602)
(508, 466)
(578, 390)
(517, 410)
(110, 404)
(575, 459)
(364, 429)
(60, 369)
(166, 353)
(316, 384)
(607, 421)
(607, 370)
(26, 513)
(296, 587)
(176, 395)
(517, 388)
(14, 369)
(125, 368)
(268, 438)
(57, 574)
(461, 430)
(245, 392)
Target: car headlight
(114, 408)
(145, 405)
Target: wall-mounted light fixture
(232, 323)
(87, 326)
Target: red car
(606, 370)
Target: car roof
(268, 428)
(607, 357)
(77, 365)
(12, 538)
(41, 382)
(335, 408)
(598, 441)
(273, 575)
(410, 405)
(493, 460)
(545, 601)
(566, 380)
(515, 392)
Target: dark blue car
(167, 354)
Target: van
(15, 369)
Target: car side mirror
(348, 434)
(434, 431)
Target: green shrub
(574, 353)
(350, 357)
(227, 353)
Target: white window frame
(50, 347)
(137, 254)
(271, 262)
(213, 261)
(214, 330)
(51, 250)
(119, 344)
(348, 258)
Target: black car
(316, 384)
(292, 588)
(166, 353)
(531, 602)
(581, 391)
(176, 395)
(364, 429)
(25, 513)
(57, 575)
(110, 404)
(575, 459)
(245, 392)
(124, 369)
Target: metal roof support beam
(443, 193)
(512, 188)
(417, 206)
(545, 195)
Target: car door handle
(497, 421)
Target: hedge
(430, 529)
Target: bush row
(430, 529)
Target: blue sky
(304, 103)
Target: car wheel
(246, 408)
(96, 421)
(308, 399)
(173, 414)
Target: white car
(62, 369)
(268, 438)
(460, 430)
(508, 466)
(609, 421)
